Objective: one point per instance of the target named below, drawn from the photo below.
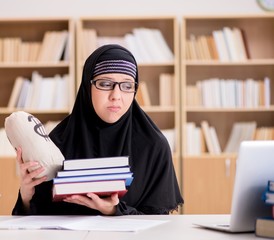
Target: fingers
(29, 169)
(106, 205)
(93, 196)
(115, 199)
(19, 155)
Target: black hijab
(83, 134)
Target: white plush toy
(26, 131)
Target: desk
(178, 227)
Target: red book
(102, 188)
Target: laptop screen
(254, 167)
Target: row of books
(102, 176)
(229, 93)
(148, 45)
(166, 91)
(43, 93)
(226, 44)
(201, 139)
(264, 226)
(204, 138)
(7, 150)
(53, 48)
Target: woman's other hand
(28, 180)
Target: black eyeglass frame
(93, 82)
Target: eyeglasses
(108, 85)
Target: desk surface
(178, 227)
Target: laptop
(254, 167)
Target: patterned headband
(115, 66)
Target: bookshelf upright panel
(219, 106)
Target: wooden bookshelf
(207, 188)
(33, 30)
(29, 31)
(115, 29)
(9, 185)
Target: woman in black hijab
(107, 121)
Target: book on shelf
(264, 227)
(89, 42)
(212, 47)
(103, 162)
(24, 91)
(195, 142)
(221, 47)
(166, 89)
(61, 96)
(163, 47)
(215, 140)
(56, 41)
(240, 43)
(144, 44)
(101, 188)
(241, 131)
(16, 50)
(17, 86)
(226, 44)
(230, 41)
(264, 133)
(192, 49)
(147, 44)
(47, 93)
(170, 136)
(43, 93)
(193, 95)
(211, 139)
(142, 95)
(229, 93)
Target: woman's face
(111, 105)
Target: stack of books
(102, 176)
(265, 225)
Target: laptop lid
(254, 167)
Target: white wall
(76, 8)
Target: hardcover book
(73, 164)
(265, 227)
(102, 188)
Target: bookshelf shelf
(116, 28)
(239, 63)
(257, 109)
(61, 64)
(258, 35)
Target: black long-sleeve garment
(83, 134)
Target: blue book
(268, 195)
(128, 177)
